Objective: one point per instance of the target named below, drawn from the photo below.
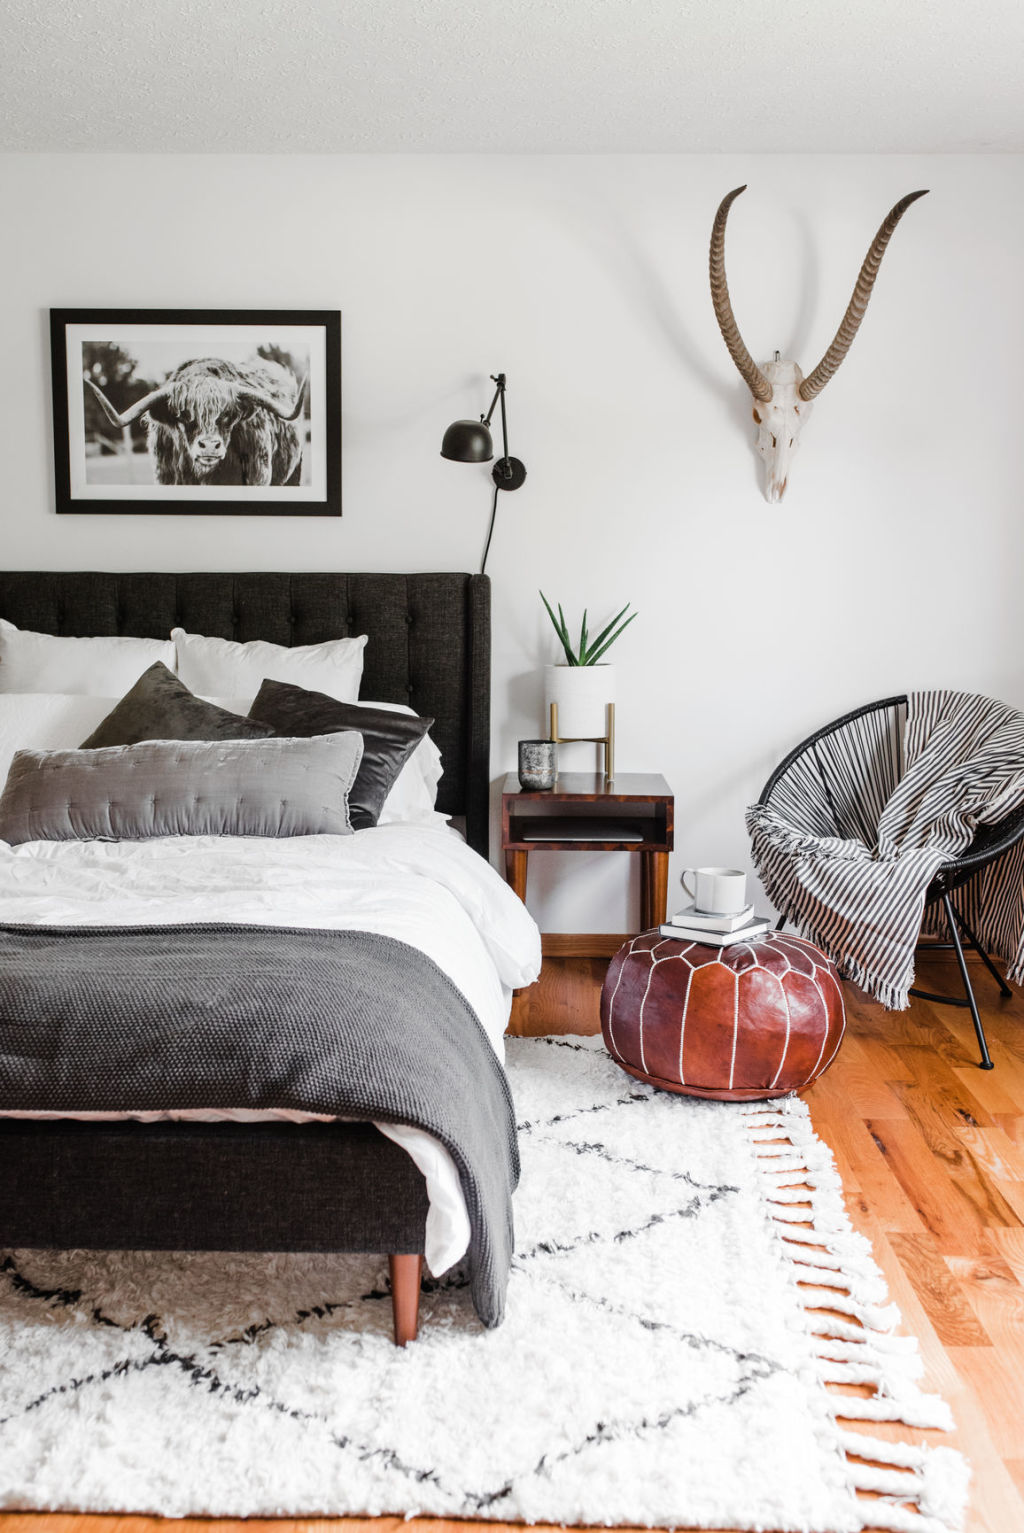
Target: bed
(263, 1186)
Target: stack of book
(693, 925)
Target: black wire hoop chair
(838, 781)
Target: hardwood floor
(931, 1152)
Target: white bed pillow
(95, 667)
(47, 721)
(226, 668)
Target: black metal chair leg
(986, 960)
(986, 1062)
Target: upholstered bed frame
(261, 1187)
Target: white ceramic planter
(581, 692)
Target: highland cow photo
(206, 412)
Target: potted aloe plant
(583, 683)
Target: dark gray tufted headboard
(429, 645)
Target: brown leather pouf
(758, 1019)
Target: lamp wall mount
(509, 473)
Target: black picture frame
(84, 463)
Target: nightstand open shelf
(633, 813)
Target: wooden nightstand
(632, 814)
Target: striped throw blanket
(855, 831)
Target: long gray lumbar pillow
(182, 788)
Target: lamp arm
(508, 473)
(504, 424)
(498, 394)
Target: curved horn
(751, 374)
(125, 418)
(816, 381)
(256, 397)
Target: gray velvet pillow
(389, 739)
(182, 788)
(160, 707)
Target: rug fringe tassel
(873, 1317)
(897, 1519)
(845, 1300)
(839, 1242)
(870, 1371)
(927, 1411)
(821, 1260)
(878, 1450)
(872, 1286)
(853, 1349)
(845, 1330)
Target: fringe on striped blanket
(848, 843)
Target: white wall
(895, 560)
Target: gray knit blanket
(851, 869)
(339, 1022)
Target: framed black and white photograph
(194, 411)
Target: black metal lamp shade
(467, 442)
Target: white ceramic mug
(717, 891)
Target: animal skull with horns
(782, 395)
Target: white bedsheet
(419, 883)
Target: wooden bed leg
(406, 1272)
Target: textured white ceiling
(331, 76)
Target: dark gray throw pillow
(389, 739)
(160, 707)
(182, 788)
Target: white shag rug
(671, 1325)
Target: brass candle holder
(607, 739)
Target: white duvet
(419, 883)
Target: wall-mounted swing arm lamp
(470, 442)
